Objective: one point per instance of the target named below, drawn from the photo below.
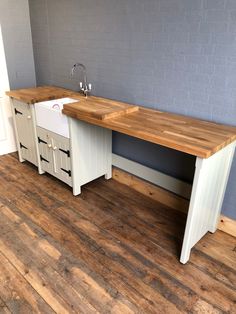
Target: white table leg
(209, 184)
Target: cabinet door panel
(45, 152)
(56, 158)
(25, 130)
(61, 158)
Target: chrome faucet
(84, 86)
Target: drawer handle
(43, 159)
(17, 112)
(67, 171)
(67, 152)
(23, 146)
(41, 141)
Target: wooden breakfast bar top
(193, 136)
(189, 135)
(213, 145)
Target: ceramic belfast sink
(49, 115)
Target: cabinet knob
(49, 145)
(54, 148)
(28, 117)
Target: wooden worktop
(43, 93)
(101, 108)
(193, 136)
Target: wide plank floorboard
(110, 250)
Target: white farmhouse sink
(50, 117)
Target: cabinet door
(45, 151)
(55, 155)
(61, 158)
(25, 130)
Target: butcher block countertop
(43, 93)
(101, 109)
(193, 136)
(196, 137)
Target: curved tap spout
(84, 86)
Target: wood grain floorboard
(110, 250)
(16, 292)
(3, 307)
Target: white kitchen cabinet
(84, 155)
(24, 123)
(55, 154)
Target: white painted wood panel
(54, 153)
(91, 152)
(210, 180)
(61, 158)
(45, 153)
(25, 129)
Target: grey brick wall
(174, 55)
(17, 39)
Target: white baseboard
(167, 182)
(7, 150)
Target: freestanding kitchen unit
(44, 138)
(91, 121)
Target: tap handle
(81, 85)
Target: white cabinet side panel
(25, 131)
(210, 180)
(90, 152)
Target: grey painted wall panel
(173, 55)
(17, 39)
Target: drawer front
(25, 130)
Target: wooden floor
(111, 250)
